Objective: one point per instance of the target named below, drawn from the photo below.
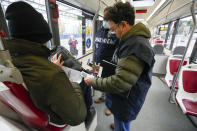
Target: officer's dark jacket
(132, 79)
(47, 84)
(105, 45)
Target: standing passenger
(47, 84)
(135, 59)
(105, 45)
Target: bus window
(39, 5)
(172, 27)
(163, 31)
(183, 34)
(70, 28)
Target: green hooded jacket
(47, 84)
(128, 69)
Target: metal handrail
(1, 44)
(84, 56)
(94, 29)
(173, 90)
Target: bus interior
(171, 103)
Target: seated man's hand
(56, 60)
(88, 80)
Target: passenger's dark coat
(132, 79)
(47, 84)
(105, 45)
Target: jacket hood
(138, 29)
(24, 47)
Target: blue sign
(88, 43)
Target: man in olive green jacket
(47, 84)
(135, 59)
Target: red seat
(187, 93)
(191, 107)
(158, 42)
(17, 98)
(172, 67)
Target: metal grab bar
(173, 90)
(85, 55)
(1, 44)
(94, 29)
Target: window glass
(183, 34)
(163, 31)
(172, 27)
(70, 28)
(39, 5)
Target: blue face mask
(105, 25)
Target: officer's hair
(107, 8)
(121, 12)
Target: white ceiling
(92, 5)
(157, 16)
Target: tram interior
(169, 105)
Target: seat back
(158, 49)
(17, 98)
(158, 42)
(172, 67)
(186, 96)
(179, 50)
(189, 79)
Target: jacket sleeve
(66, 100)
(127, 73)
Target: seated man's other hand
(88, 80)
(56, 60)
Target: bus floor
(157, 114)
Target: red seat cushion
(190, 106)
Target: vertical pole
(83, 34)
(1, 44)
(52, 10)
(174, 33)
(3, 24)
(168, 31)
(94, 31)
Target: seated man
(47, 84)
